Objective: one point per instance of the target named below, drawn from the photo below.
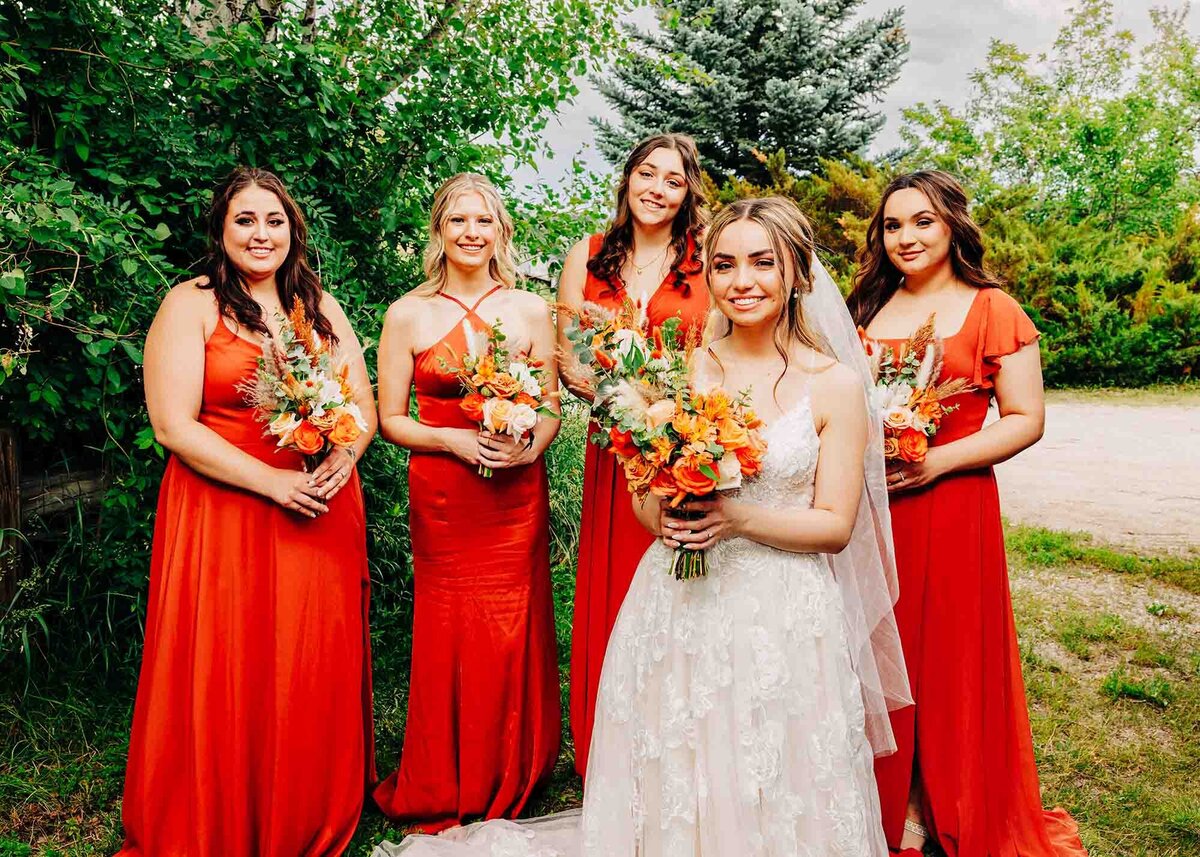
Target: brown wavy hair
(685, 228)
(877, 279)
(793, 242)
(295, 277)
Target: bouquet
(907, 394)
(301, 390)
(608, 346)
(671, 440)
(503, 395)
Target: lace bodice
(790, 463)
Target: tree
(740, 75)
(1095, 130)
(117, 117)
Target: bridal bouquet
(503, 395)
(907, 394)
(301, 390)
(672, 441)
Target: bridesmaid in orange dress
(964, 775)
(483, 710)
(649, 255)
(252, 727)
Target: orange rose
(524, 398)
(345, 431)
(622, 443)
(472, 406)
(731, 434)
(308, 438)
(913, 445)
(691, 479)
(504, 385)
(891, 447)
(663, 485)
(638, 473)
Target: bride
(740, 713)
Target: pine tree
(740, 75)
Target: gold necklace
(639, 268)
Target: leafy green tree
(1097, 130)
(116, 119)
(740, 75)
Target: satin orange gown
(252, 728)
(611, 539)
(968, 733)
(483, 726)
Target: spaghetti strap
(471, 309)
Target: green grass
(1114, 693)
(1042, 547)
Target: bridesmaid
(964, 775)
(252, 726)
(483, 710)
(650, 255)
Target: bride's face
(749, 284)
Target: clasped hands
(496, 450)
(698, 524)
(308, 493)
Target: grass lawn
(1111, 651)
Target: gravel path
(1129, 473)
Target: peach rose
(660, 412)
(891, 447)
(496, 413)
(691, 479)
(751, 456)
(504, 385)
(913, 445)
(898, 418)
(345, 431)
(308, 438)
(472, 406)
(638, 473)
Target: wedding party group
(792, 631)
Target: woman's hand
(720, 518)
(294, 490)
(334, 472)
(907, 476)
(500, 451)
(462, 444)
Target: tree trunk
(11, 546)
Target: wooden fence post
(11, 549)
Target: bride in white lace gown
(739, 714)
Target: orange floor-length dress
(252, 728)
(483, 726)
(969, 732)
(611, 540)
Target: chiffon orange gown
(483, 723)
(252, 726)
(969, 732)
(611, 540)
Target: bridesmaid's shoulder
(530, 304)
(190, 296)
(403, 310)
(1000, 300)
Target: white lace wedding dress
(729, 719)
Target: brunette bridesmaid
(252, 726)
(650, 255)
(483, 710)
(964, 776)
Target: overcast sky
(948, 40)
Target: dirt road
(1127, 472)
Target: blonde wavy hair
(793, 243)
(502, 267)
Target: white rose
(283, 426)
(898, 417)
(522, 420)
(729, 472)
